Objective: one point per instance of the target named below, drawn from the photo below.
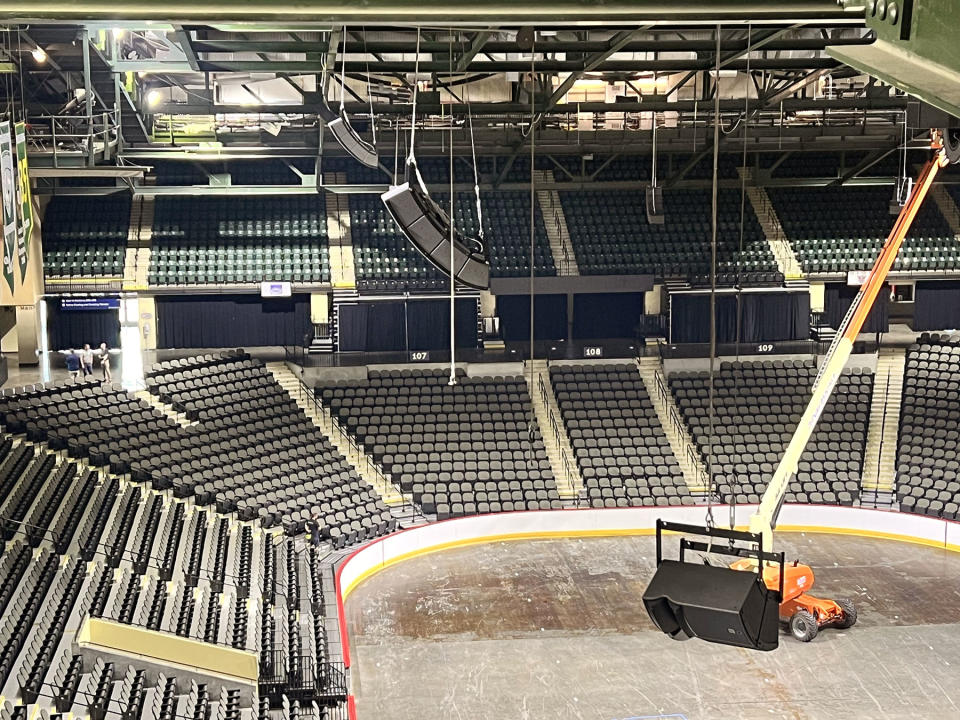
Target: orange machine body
(797, 580)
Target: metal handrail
(690, 450)
(883, 425)
(358, 449)
(565, 459)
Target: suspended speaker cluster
(428, 227)
(655, 205)
(349, 139)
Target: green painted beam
(426, 12)
(916, 49)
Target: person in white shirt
(105, 362)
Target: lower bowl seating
(622, 453)
(928, 469)
(758, 406)
(468, 449)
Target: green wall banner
(25, 206)
(8, 187)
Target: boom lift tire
(803, 626)
(849, 614)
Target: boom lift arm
(764, 520)
(742, 604)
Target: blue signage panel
(90, 303)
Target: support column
(28, 333)
(88, 97)
(148, 323)
(817, 297)
(319, 308)
(8, 329)
(652, 300)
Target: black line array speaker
(655, 205)
(349, 139)
(427, 226)
(717, 604)
(362, 151)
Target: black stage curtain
(371, 326)
(606, 315)
(838, 297)
(397, 325)
(549, 317)
(428, 324)
(764, 317)
(936, 305)
(72, 328)
(215, 321)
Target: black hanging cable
(453, 371)
(713, 281)
(743, 209)
(343, 72)
(743, 205)
(396, 152)
(373, 119)
(23, 93)
(533, 111)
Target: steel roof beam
(500, 46)
(895, 103)
(477, 66)
(181, 36)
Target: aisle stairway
(154, 402)
(564, 258)
(136, 265)
(555, 439)
(880, 454)
(787, 262)
(321, 417)
(651, 371)
(343, 273)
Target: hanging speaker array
(339, 123)
(349, 139)
(428, 227)
(654, 197)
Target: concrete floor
(556, 629)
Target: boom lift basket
(691, 599)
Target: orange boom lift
(743, 604)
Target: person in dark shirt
(313, 528)
(73, 365)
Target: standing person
(73, 364)
(313, 528)
(86, 359)
(105, 362)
